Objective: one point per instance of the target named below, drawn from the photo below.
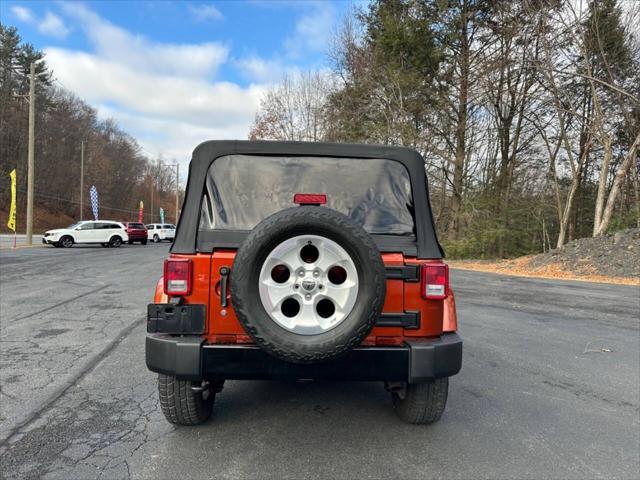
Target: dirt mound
(613, 258)
(616, 255)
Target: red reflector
(310, 199)
(177, 276)
(223, 339)
(435, 281)
(393, 341)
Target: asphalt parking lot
(549, 388)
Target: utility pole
(31, 154)
(81, 178)
(153, 181)
(177, 190)
(177, 167)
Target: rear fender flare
(159, 296)
(449, 316)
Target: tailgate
(405, 313)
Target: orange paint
(159, 296)
(450, 319)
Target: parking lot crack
(59, 304)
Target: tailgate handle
(224, 280)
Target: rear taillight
(177, 276)
(435, 281)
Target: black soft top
(190, 240)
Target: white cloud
(166, 94)
(313, 30)
(260, 70)
(205, 12)
(163, 94)
(117, 44)
(53, 25)
(195, 100)
(172, 138)
(22, 13)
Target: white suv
(161, 231)
(105, 232)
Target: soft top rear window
(242, 190)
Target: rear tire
(115, 241)
(180, 404)
(130, 242)
(66, 242)
(422, 403)
(144, 242)
(156, 238)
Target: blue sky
(174, 73)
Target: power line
(75, 202)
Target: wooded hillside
(527, 113)
(114, 162)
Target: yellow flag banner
(12, 211)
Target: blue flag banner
(93, 195)
(162, 215)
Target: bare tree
(294, 109)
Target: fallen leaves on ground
(521, 267)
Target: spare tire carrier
(308, 284)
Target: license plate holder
(176, 319)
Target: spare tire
(308, 284)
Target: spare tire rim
(308, 284)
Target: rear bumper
(137, 236)
(420, 360)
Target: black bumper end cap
(432, 358)
(175, 356)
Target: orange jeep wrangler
(304, 261)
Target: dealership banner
(141, 212)
(93, 195)
(12, 210)
(162, 215)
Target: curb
(18, 247)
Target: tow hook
(204, 386)
(215, 387)
(399, 388)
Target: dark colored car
(304, 261)
(137, 232)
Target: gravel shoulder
(613, 258)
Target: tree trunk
(615, 189)
(567, 212)
(602, 185)
(568, 208)
(636, 190)
(461, 127)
